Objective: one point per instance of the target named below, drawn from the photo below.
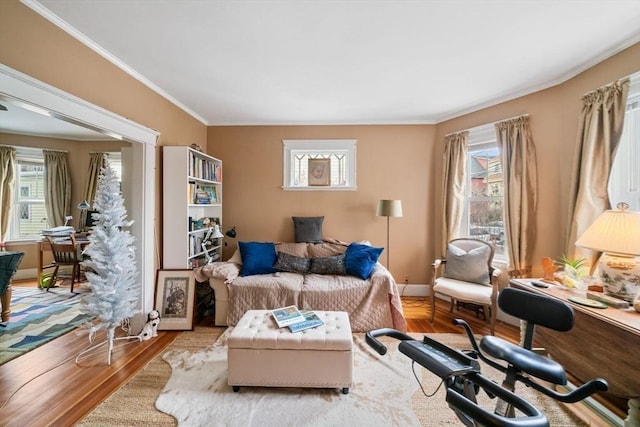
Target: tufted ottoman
(261, 354)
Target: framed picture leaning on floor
(175, 299)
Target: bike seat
(525, 360)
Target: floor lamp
(389, 208)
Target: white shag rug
(197, 393)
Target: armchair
(466, 276)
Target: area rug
(37, 317)
(384, 393)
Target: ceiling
(274, 62)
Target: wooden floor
(46, 387)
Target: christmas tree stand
(110, 340)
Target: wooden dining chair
(65, 252)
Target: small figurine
(150, 328)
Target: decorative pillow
(325, 249)
(308, 229)
(329, 265)
(291, 263)
(297, 249)
(257, 258)
(361, 259)
(468, 266)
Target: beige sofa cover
(370, 304)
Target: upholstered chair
(465, 275)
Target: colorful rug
(37, 317)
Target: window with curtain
(483, 213)
(29, 215)
(624, 180)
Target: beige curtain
(453, 190)
(599, 130)
(96, 162)
(519, 167)
(7, 181)
(57, 186)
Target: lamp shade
(216, 232)
(614, 232)
(83, 205)
(389, 208)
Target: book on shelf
(286, 316)
(311, 320)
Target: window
(624, 180)
(29, 215)
(483, 217)
(341, 156)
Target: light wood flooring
(46, 387)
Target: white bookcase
(192, 205)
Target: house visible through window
(483, 217)
(339, 155)
(29, 215)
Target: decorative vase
(620, 276)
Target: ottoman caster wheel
(345, 390)
(236, 388)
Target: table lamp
(616, 233)
(389, 208)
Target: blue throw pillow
(360, 260)
(257, 258)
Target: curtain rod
(53, 149)
(489, 124)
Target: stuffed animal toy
(150, 328)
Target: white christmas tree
(111, 266)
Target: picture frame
(319, 172)
(175, 299)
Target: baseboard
(417, 290)
(26, 274)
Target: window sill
(319, 188)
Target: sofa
(323, 276)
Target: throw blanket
(371, 304)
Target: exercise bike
(460, 370)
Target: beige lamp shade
(389, 208)
(216, 232)
(614, 232)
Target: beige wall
(412, 159)
(34, 46)
(393, 162)
(553, 116)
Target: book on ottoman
(286, 316)
(311, 321)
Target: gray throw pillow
(308, 228)
(469, 266)
(329, 265)
(292, 263)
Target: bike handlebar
(381, 349)
(533, 417)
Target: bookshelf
(192, 206)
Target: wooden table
(603, 343)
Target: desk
(44, 246)
(603, 343)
